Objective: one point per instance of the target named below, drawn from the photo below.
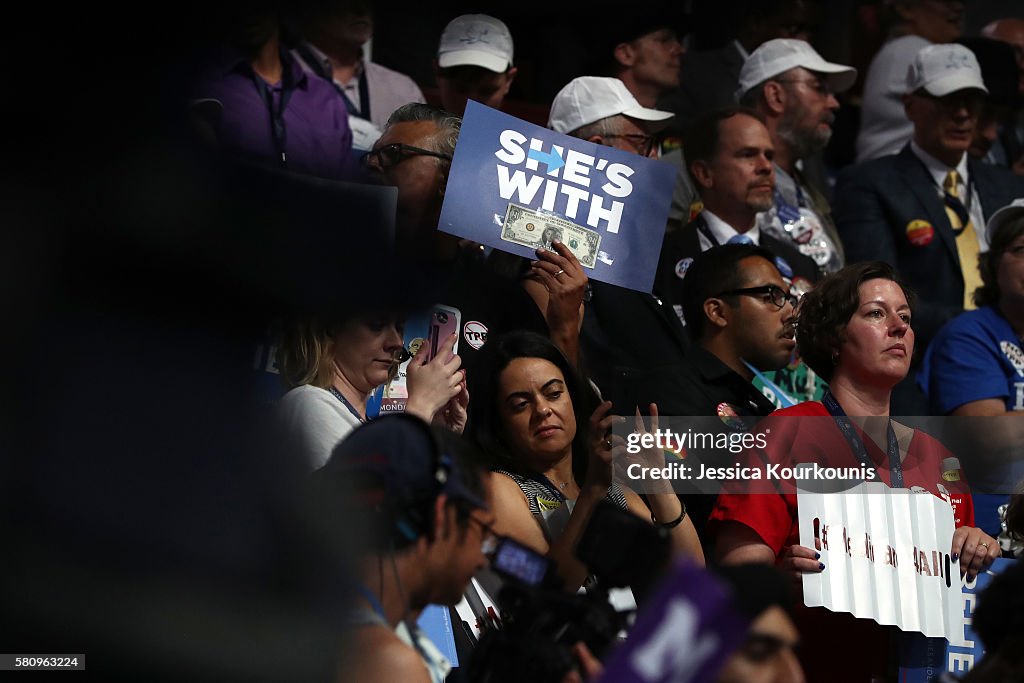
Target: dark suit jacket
(875, 202)
(633, 348)
(685, 243)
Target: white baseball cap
(591, 98)
(475, 40)
(1008, 213)
(942, 69)
(778, 56)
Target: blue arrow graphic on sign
(552, 159)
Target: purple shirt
(316, 136)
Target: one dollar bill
(535, 229)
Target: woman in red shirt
(854, 330)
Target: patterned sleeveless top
(552, 510)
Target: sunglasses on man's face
(388, 156)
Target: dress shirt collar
(939, 170)
(723, 231)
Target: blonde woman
(331, 368)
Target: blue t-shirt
(977, 356)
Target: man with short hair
(1011, 32)
(709, 78)
(1011, 135)
(793, 88)
(768, 654)
(740, 310)
(884, 128)
(643, 51)
(423, 505)
(474, 62)
(740, 315)
(922, 210)
(1002, 106)
(414, 154)
(334, 33)
(645, 56)
(731, 163)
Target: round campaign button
(729, 416)
(785, 269)
(800, 286)
(696, 206)
(801, 230)
(920, 233)
(475, 334)
(683, 266)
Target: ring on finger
(560, 271)
(608, 443)
(984, 544)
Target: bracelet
(675, 522)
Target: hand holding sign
(565, 282)
(796, 560)
(975, 549)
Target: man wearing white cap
(918, 209)
(793, 88)
(603, 111)
(974, 367)
(884, 127)
(474, 62)
(633, 343)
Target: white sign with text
(887, 557)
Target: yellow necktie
(966, 240)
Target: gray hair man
(793, 88)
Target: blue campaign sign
(923, 660)
(502, 160)
(436, 623)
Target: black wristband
(675, 522)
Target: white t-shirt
(314, 422)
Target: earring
(835, 358)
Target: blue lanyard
(857, 444)
(787, 212)
(372, 599)
(344, 401)
(784, 398)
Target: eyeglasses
(643, 144)
(391, 155)
(817, 85)
(488, 539)
(771, 294)
(970, 100)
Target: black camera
(541, 622)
